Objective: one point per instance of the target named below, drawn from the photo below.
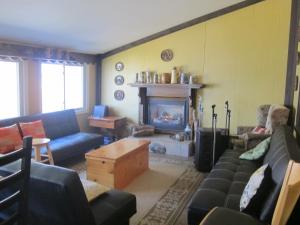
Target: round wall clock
(119, 66)
(119, 95)
(167, 55)
(119, 80)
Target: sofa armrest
(244, 129)
(225, 216)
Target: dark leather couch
(56, 197)
(62, 128)
(224, 185)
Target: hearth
(167, 114)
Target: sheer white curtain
(9, 89)
(62, 87)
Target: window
(62, 87)
(9, 89)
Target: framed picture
(166, 55)
(119, 80)
(119, 95)
(119, 66)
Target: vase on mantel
(174, 76)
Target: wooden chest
(117, 164)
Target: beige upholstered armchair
(269, 117)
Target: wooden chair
(289, 194)
(14, 186)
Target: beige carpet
(163, 191)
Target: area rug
(163, 191)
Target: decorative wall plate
(167, 55)
(119, 95)
(119, 80)
(119, 66)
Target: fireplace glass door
(167, 114)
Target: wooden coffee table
(117, 164)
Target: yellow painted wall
(241, 57)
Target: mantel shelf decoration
(144, 85)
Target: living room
(125, 101)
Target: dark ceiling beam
(44, 53)
(184, 25)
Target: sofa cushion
(60, 124)
(255, 190)
(73, 145)
(34, 129)
(10, 139)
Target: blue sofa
(62, 128)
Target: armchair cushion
(258, 151)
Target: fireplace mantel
(184, 91)
(185, 86)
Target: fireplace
(169, 107)
(167, 114)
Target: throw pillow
(256, 190)
(34, 129)
(10, 139)
(258, 151)
(259, 130)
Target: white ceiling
(95, 26)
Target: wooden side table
(37, 144)
(108, 122)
